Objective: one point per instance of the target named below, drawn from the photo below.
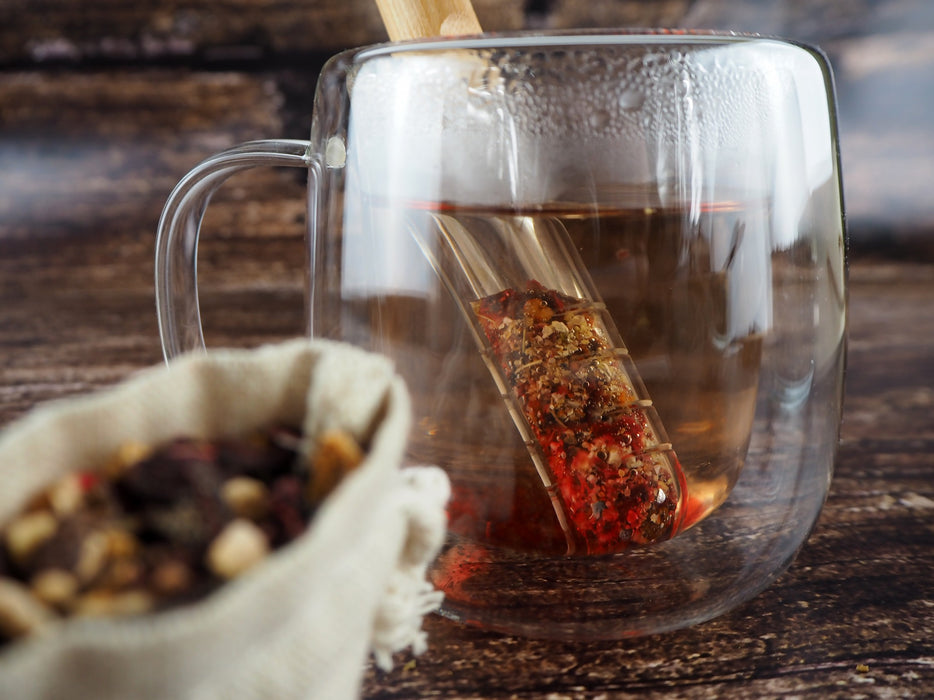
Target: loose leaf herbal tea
(614, 479)
(163, 526)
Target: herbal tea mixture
(614, 478)
(156, 528)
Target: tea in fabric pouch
(302, 622)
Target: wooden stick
(414, 19)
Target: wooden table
(95, 130)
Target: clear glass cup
(611, 268)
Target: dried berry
(186, 468)
(289, 510)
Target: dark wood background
(104, 105)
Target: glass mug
(610, 267)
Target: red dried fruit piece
(288, 509)
(88, 480)
(615, 479)
(182, 468)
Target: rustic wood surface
(104, 106)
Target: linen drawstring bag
(302, 623)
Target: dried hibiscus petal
(597, 441)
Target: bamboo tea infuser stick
(415, 19)
(557, 357)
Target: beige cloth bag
(302, 624)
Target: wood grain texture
(89, 150)
(50, 30)
(564, 14)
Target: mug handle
(177, 305)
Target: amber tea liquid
(663, 278)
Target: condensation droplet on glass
(631, 99)
(335, 153)
(599, 118)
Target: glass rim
(557, 38)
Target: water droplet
(335, 153)
(599, 118)
(631, 99)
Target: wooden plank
(811, 20)
(86, 162)
(565, 14)
(150, 30)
